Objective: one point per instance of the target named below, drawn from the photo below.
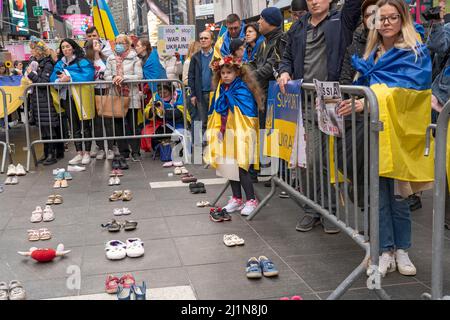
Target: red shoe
(112, 285)
(127, 281)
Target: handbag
(112, 106)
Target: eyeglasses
(392, 19)
(204, 38)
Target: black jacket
(195, 78)
(358, 47)
(268, 57)
(42, 107)
(338, 28)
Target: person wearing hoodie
(173, 66)
(125, 65)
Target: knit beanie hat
(272, 16)
(299, 5)
(235, 45)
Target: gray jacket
(439, 42)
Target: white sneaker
(115, 250)
(48, 214)
(404, 264)
(110, 155)
(135, 248)
(234, 205)
(387, 263)
(94, 152)
(75, 169)
(76, 160)
(111, 182)
(100, 155)
(250, 206)
(20, 170)
(11, 171)
(116, 151)
(86, 159)
(36, 215)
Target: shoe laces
(402, 258)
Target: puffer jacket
(174, 68)
(132, 71)
(44, 112)
(358, 48)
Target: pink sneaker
(249, 207)
(234, 205)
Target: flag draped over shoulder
(153, 70)
(222, 47)
(14, 88)
(402, 83)
(103, 20)
(240, 140)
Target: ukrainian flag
(222, 47)
(401, 81)
(14, 89)
(240, 140)
(103, 20)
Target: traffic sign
(38, 11)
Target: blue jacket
(81, 70)
(153, 69)
(338, 28)
(439, 42)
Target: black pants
(80, 128)
(128, 146)
(50, 133)
(246, 183)
(103, 127)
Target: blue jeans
(395, 219)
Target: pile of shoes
(13, 173)
(61, 178)
(125, 287)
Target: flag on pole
(103, 20)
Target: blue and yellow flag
(103, 20)
(238, 138)
(14, 89)
(402, 83)
(222, 46)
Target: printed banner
(283, 118)
(328, 101)
(174, 39)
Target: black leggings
(246, 183)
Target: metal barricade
(72, 114)
(6, 146)
(341, 203)
(439, 205)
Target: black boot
(44, 157)
(51, 158)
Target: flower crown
(231, 61)
(38, 43)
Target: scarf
(124, 89)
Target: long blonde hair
(408, 36)
(194, 47)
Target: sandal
(113, 226)
(33, 235)
(116, 196)
(177, 171)
(58, 199)
(44, 234)
(237, 240)
(203, 204)
(188, 178)
(228, 240)
(184, 170)
(127, 281)
(51, 200)
(127, 196)
(129, 225)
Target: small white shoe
(75, 168)
(387, 263)
(20, 170)
(48, 214)
(36, 215)
(110, 155)
(86, 159)
(234, 205)
(404, 264)
(76, 160)
(115, 250)
(135, 248)
(117, 181)
(94, 152)
(111, 181)
(11, 171)
(100, 155)
(118, 212)
(126, 211)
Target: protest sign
(328, 100)
(174, 39)
(284, 123)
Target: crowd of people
(372, 43)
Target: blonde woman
(398, 69)
(194, 47)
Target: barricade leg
(5, 150)
(264, 201)
(216, 200)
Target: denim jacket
(439, 42)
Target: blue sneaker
(267, 266)
(60, 175)
(253, 269)
(68, 176)
(140, 292)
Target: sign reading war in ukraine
(174, 39)
(283, 112)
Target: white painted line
(179, 184)
(170, 293)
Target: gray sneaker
(328, 227)
(307, 223)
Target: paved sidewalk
(183, 248)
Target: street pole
(191, 12)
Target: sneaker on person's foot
(100, 155)
(329, 227)
(234, 205)
(76, 160)
(307, 223)
(250, 207)
(110, 155)
(94, 152)
(387, 263)
(404, 264)
(86, 159)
